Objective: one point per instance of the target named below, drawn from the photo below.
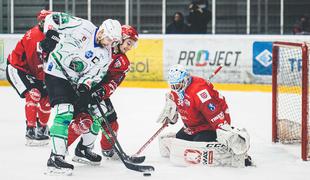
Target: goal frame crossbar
(304, 92)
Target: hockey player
(116, 74)
(206, 119)
(25, 73)
(77, 60)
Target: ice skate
(56, 165)
(43, 135)
(33, 138)
(248, 161)
(84, 155)
(110, 154)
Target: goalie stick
(127, 161)
(166, 122)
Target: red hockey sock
(31, 109)
(81, 124)
(44, 110)
(72, 134)
(105, 145)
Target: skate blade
(52, 171)
(35, 143)
(84, 161)
(113, 158)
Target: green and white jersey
(82, 58)
(61, 22)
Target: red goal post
(290, 87)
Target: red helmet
(42, 14)
(129, 32)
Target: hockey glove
(99, 92)
(84, 96)
(49, 43)
(169, 113)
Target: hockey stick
(166, 122)
(135, 167)
(121, 155)
(152, 138)
(215, 72)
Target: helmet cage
(178, 79)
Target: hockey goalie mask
(110, 33)
(178, 78)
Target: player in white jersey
(77, 59)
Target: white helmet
(178, 78)
(112, 29)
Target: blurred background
(154, 16)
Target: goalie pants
(34, 92)
(202, 136)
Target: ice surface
(138, 110)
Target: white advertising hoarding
(7, 44)
(246, 58)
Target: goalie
(207, 137)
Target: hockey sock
(32, 98)
(72, 134)
(80, 125)
(105, 144)
(44, 110)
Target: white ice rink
(138, 110)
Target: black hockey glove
(51, 39)
(84, 96)
(98, 92)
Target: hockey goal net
(290, 80)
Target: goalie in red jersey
(89, 125)
(206, 120)
(25, 73)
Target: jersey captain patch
(203, 95)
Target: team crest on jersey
(211, 106)
(204, 95)
(89, 54)
(117, 64)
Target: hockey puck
(147, 174)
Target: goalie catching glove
(238, 140)
(169, 113)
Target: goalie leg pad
(211, 154)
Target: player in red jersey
(116, 74)
(204, 113)
(25, 73)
